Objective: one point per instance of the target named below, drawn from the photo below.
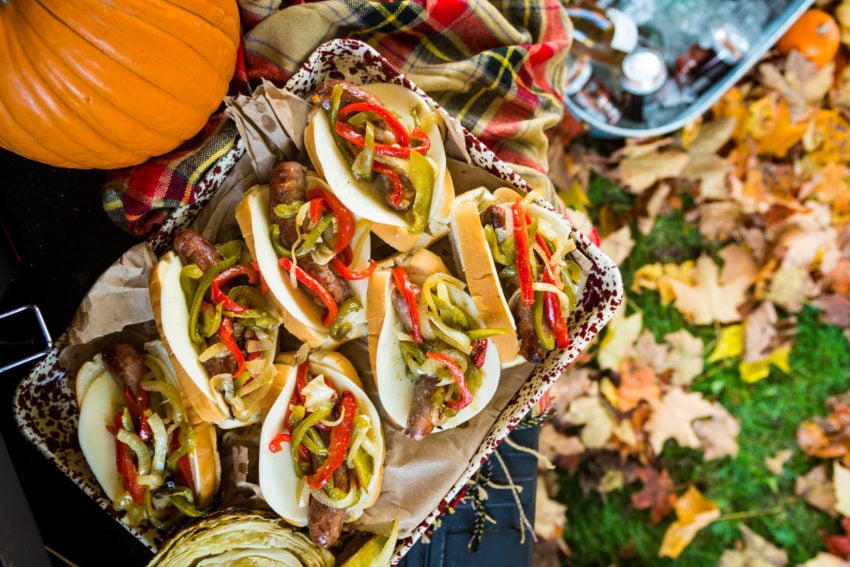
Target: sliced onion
(171, 395)
(212, 351)
(160, 441)
(143, 457)
(350, 499)
(453, 337)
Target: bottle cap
(729, 43)
(644, 71)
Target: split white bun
(365, 198)
(171, 314)
(100, 397)
(475, 259)
(280, 486)
(301, 315)
(389, 370)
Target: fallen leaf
(618, 342)
(659, 277)
(659, 200)
(839, 544)
(730, 343)
(758, 370)
(834, 138)
(672, 418)
(834, 309)
(773, 127)
(753, 551)
(776, 463)
(685, 356)
(650, 352)
(814, 440)
(694, 512)
(598, 423)
(618, 244)
(841, 483)
(816, 489)
(824, 559)
(720, 220)
(718, 434)
(636, 385)
(640, 172)
(556, 447)
(571, 385)
(657, 495)
(550, 516)
(760, 333)
(709, 300)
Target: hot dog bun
(100, 398)
(301, 315)
(475, 259)
(365, 198)
(395, 388)
(278, 481)
(171, 314)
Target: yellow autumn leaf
(693, 512)
(760, 369)
(772, 126)
(658, 277)
(833, 131)
(730, 344)
(618, 342)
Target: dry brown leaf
(658, 202)
(815, 487)
(776, 463)
(640, 172)
(636, 384)
(658, 493)
(685, 356)
(598, 423)
(571, 385)
(719, 220)
(550, 516)
(557, 447)
(719, 434)
(841, 483)
(650, 352)
(618, 342)
(672, 418)
(619, 244)
(834, 309)
(824, 559)
(753, 551)
(760, 333)
(709, 300)
(694, 512)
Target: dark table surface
(61, 241)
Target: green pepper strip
(457, 318)
(485, 333)
(289, 211)
(309, 242)
(362, 467)
(183, 501)
(279, 249)
(504, 253)
(301, 430)
(338, 446)
(203, 286)
(547, 340)
(422, 177)
(340, 328)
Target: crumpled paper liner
(417, 475)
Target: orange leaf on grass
(658, 493)
(694, 512)
(637, 383)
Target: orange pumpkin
(102, 84)
(815, 35)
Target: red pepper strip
(301, 379)
(225, 333)
(338, 445)
(342, 215)
(310, 282)
(397, 193)
(278, 440)
(403, 284)
(316, 207)
(479, 352)
(127, 467)
(219, 296)
(523, 252)
(551, 302)
(381, 112)
(138, 403)
(340, 264)
(184, 467)
(352, 135)
(457, 374)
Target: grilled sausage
(325, 523)
(125, 362)
(422, 416)
(194, 248)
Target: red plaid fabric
(498, 66)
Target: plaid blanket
(498, 66)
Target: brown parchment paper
(417, 475)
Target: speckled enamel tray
(44, 402)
